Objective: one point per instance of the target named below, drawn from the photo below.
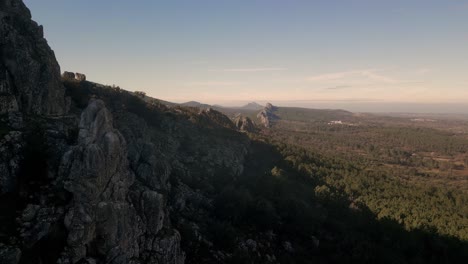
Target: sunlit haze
(230, 52)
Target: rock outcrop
(96, 174)
(209, 117)
(244, 124)
(29, 73)
(113, 217)
(267, 115)
(10, 158)
(71, 76)
(68, 76)
(80, 77)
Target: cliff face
(29, 73)
(29, 84)
(70, 191)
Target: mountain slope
(97, 174)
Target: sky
(228, 52)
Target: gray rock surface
(29, 73)
(267, 115)
(119, 218)
(80, 77)
(100, 192)
(99, 179)
(244, 124)
(68, 75)
(9, 255)
(10, 158)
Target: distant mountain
(252, 106)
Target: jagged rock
(98, 177)
(288, 247)
(68, 75)
(29, 73)
(244, 124)
(10, 157)
(9, 255)
(105, 193)
(270, 107)
(113, 216)
(80, 77)
(267, 115)
(248, 245)
(209, 116)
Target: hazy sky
(223, 51)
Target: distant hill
(252, 106)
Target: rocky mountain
(95, 174)
(72, 190)
(95, 184)
(252, 106)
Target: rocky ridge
(97, 184)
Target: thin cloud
(365, 74)
(331, 76)
(251, 69)
(378, 77)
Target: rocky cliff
(97, 184)
(70, 191)
(113, 217)
(29, 73)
